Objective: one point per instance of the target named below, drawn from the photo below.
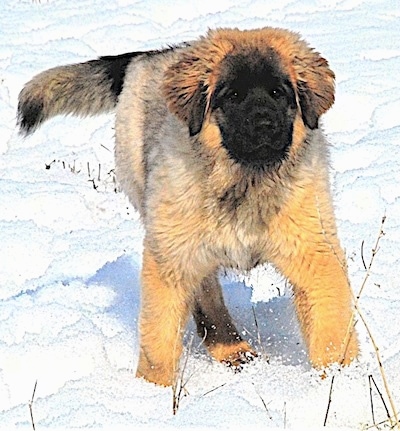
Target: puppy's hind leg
(215, 325)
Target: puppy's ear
(189, 82)
(185, 91)
(315, 86)
(196, 110)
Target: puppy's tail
(79, 89)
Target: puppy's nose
(263, 121)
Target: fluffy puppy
(218, 147)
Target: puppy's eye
(277, 93)
(226, 96)
(233, 95)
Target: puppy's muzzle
(266, 128)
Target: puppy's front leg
(305, 248)
(164, 313)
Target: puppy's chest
(241, 248)
(241, 237)
(249, 209)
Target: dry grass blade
(213, 389)
(261, 349)
(264, 404)
(31, 406)
(371, 379)
(393, 419)
(329, 401)
(371, 400)
(257, 328)
(375, 250)
(179, 387)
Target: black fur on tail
(30, 116)
(82, 89)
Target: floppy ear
(196, 110)
(189, 82)
(185, 91)
(315, 87)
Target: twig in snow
(371, 400)
(371, 379)
(264, 404)
(105, 147)
(261, 347)
(389, 419)
(362, 255)
(31, 406)
(95, 186)
(257, 327)
(179, 386)
(394, 423)
(329, 401)
(48, 165)
(213, 389)
(73, 168)
(375, 250)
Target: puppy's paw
(233, 355)
(238, 359)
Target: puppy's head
(261, 88)
(254, 105)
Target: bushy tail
(80, 89)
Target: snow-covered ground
(71, 246)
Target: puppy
(218, 147)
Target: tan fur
(307, 251)
(67, 89)
(203, 211)
(200, 63)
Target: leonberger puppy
(219, 148)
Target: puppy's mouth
(257, 136)
(263, 147)
(259, 155)
(264, 127)
(265, 143)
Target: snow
(70, 253)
